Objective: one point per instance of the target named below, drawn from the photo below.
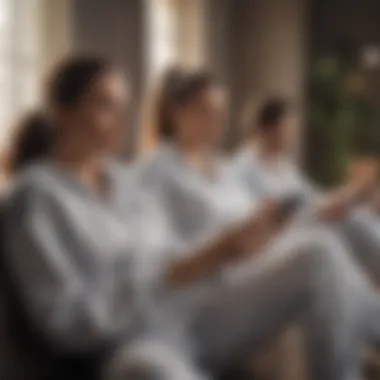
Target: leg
(148, 360)
(361, 229)
(314, 282)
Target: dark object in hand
(290, 205)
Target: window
(19, 53)
(161, 36)
(161, 52)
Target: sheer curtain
(161, 44)
(19, 58)
(175, 34)
(161, 51)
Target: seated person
(265, 167)
(227, 316)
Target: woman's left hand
(332, 209)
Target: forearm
(69, 311)
(241, 240)
(203, 261)
(335, 204)
(253, 244)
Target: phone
(290, 205)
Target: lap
(256, 303)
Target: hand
(361, 191)
(336, 205)
(279, 212)
(260, 226)
(333, 209)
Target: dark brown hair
(70, 80)
(31, 142)
(178, 87)
(73, 77)
(271, 112)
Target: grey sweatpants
(361, 228)
(307, 277)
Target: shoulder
(153, 170)
(225, 165)
(241, 164)
(33, 191)
(35, 180)
(122, 174)
(242, 158)
(292, 167)
(156, 160)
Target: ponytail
(31, 142)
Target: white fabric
(79, 261)
(196, 205)
(278, 178)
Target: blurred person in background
(230, 311)
(266, 166)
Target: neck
(87, 166)
(198, 157)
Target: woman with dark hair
(70, 237)
(31, 142)
(240, 298)
(265, 167)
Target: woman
(243, 306)
(65, 231)
(265, 167)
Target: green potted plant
(343, 122)
(331, 123)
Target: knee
(135, 364)
(321, 252)
(147, 362)
(127, 369)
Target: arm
(326, 205)
(202, 261)
(246, 238)
(74, 311)
(337, 203)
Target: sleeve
(72, 309)
(177, 207)
(248, 176)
